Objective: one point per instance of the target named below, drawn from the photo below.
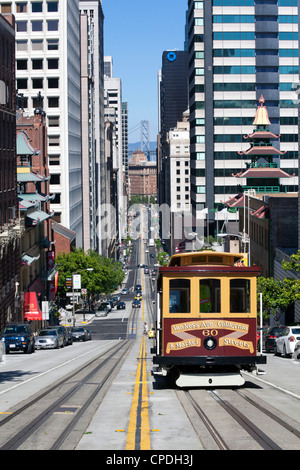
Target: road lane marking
(138, 435)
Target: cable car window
(240, 296)
(210, 298)
(179, 301)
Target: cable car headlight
(210, 343)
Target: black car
(270, 337)
(136, 304)
(18, 337)
(79, 334)
(121, 305)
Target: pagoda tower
(263, 173)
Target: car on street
(296, 353)
(151, 333)
(79, 333)
(138, 296)
(286, 342)
(89, 334)
(138, 287)
(136, 304)
(105, 305)
(125, 291)
(18, 337)
(64, 333)
(270, 336)
(49, 339)
(121, 305)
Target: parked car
(286, 342)
(104, 305)
(18, 337)
(89, 334)
(136, 304)
(64, 333)
(296, 353)
(79, 333)
(269, 339)
(121, 305)
(69, 333)
(49, 339)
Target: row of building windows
(225, 104)
(37, 26)
(247, 121)
(245, 3)
(38, 64)
(228, 172)
(36, 7)
(37, 45)
(243, 86)
(251, 69)
(253, 52)
(252, 18)
(251, 36)
(37, 83)
(200, 156)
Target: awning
(31, 307)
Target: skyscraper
(92, 105)
(48, 75)
(239, 50)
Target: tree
(98, 274)
(294, 264)
(277, 295)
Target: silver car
(49, 339)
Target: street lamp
(244, 241)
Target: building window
(52, 64)
(37, 26)
(21, 7)
(37, 83)
(52, 7)
(21, 26)
(37, 64)
(53, 82)
(52, 25)
(52, 44)
(36, 7)
(21, 64)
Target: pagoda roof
(25, 175)
(263, 173)
(261, 117)
(262, 134)
(35, 197)
(260, 213)
(235, 201)
(36, 217)
(23, 145)
(262, 150)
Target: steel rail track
(26, 431)
(254, 431)
(213, 432)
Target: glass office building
(238, 51)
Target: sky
(136, 32)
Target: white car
(286, 342)
(49, 339)
(296, 353)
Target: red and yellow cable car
(206, 324)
